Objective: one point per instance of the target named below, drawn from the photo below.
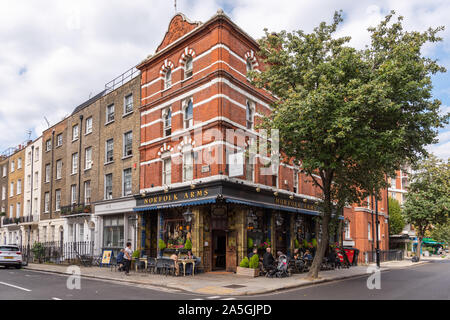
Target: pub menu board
(106, 257)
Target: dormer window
(168, 79)
(188, 67)
(189, 114)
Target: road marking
(214, 297)
(56, 298)
(11, 285)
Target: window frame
(188, 73)
(76, 129)
(110, 116)
(125, 104)
(74, 163)
(107, 197)
(125, 150)
(188, 123)
(112, 151)
(88, 127)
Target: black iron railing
(76, 209)
(80, 252)
(388, 255)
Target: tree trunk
(419, 246)
(323, 243)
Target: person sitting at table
(119, 259)
(177, 266)
(190, 255)
(296, 254)
(268, 260)
(307, 255)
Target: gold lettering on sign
(175, 197)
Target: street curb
(245, 293)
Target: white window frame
(12, 166)
(124, 183)
(75, 132)
(127, 152)
(188, 122)
(73, 194)
(5, 170)
(48, 145)
(110, 115)
(19, 186)
(59, 140)
(11, 190)
(88, 158)
(88, 125)
(58, 169)
(36, 154)
(347, 233)
(250, 115)
(168, 79)
(106, 151)
(167, 121)
(166, 170)
(188, 68)
(107, 195)
(3, 192)
(87, 192)
(75, 163)
(125, 104)
(47, 173)
(19, 163)
(58, 200)
(188, 167)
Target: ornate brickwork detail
(167, 65)
(178, 27)
(250, 56)
(165, 148)
(186, 53)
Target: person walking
(127, 258)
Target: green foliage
(250, 243)
(296, 244)
(396, 219)
(161, 244)
(244, 263)
(314, 242)
(38, 250)
(188, 244)
(254, 262)
(136, 254)
(305, 243)
(350, 116)
(441, 232)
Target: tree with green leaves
(441, 233)
(396, 219)
(349, 117)
(428, 199)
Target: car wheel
(19, 266)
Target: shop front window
(302, 231)
(176, 231)
(113, 232)
(257, 231)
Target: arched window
(168, 79)
(188, 67)
(189, 114)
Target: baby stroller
(281, 271)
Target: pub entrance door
(219, 223)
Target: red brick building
(194, 91)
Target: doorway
(219, 250)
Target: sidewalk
(221, 283)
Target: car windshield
(9, 249)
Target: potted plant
(249, 268)
(188, 244)
(161, 246)
(38, 251)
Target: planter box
(249, 272)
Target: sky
(55, 54)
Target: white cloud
(55, 53)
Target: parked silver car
(10, 255)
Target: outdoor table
(137, 262)
(184, 261)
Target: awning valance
(175, 204)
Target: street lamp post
(376, 232)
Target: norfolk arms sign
(209, 192)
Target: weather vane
(175, 5)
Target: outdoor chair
(151, 265)
(113, 263)
(169, 267)
(160, 266)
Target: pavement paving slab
(221, 284)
